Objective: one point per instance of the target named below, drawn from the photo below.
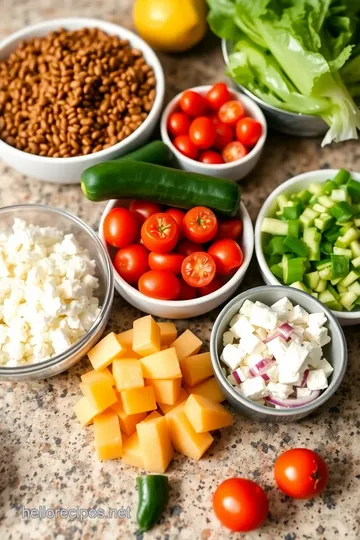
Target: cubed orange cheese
(155, 444)
(126, 338)
(138, 400)
(209, 389)
(183, 395)
(99, 393)
(108, 442)
(161, 365)
(146, 336)
(127, 374)
(132, 454)
(186, 345)
(127, 421)
(84, 411)
(93, 374)
(206, 415)
(168, 332)
(166, 390)
(196, 369)
(105, 351)
(183, 436)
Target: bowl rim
(271, 412)
(27, 369)
(249, 104)
(110, 28)
(319, 175)
(202, 300)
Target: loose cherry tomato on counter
(210, 157)
(218, 95)
(166, 261)
(160, 233)
(160, 284)
(186, 291)
(240, 504)
(301, 473)
(178, 215)
(224, 135)
(200, 224)
(231, 112)
(178, 124)
(213, 286)
(227, 255)
(187, 248)
(198, 269)
(234, 151)
(192, 103)
(202, 132)
(184, 144)
(248, 131)
(230, 228)
(144, 209)
(120, 227)
(131, 262)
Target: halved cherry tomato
(198, 269)
(218, 95)
(213, 286)
(234, 151)
(160, 284)
(200, 224)
(211, 158)
(184, 144)
(178, 124)
(120, 227)
(144, 209)
(192, 103)
(131, 262)
(166, 261)
(301, 473)
(187, 248)
(231, 112)
(230, 228)
(160, 233)
(202, 132)
(178, 215)
(224, 135)
(227, 255)
(248, 131)
(186, 291)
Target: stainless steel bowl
(302, 125)
(87, 238)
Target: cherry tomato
(202, 132)
(230, 228)
(224, 135)
(184, 144)
(198, 269)
(231, 112)
(187, 248)
(160, 284)
(213, 286)
(240, 504)
(120, 227)
(218, 95)
(227, 255)
(301, 473)
(160, 233)
(193, 103)
(210, 157)
(178, 124)
(131, 262)
(178, 215)
(234, 151)
(186, 291)
(166, 261)
(144, 209)
(200, 224)
(248, 131)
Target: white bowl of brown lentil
(75, 92)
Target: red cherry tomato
(131, 262)
(213, 286)
(120, 227)
(198, 269)
(211, 158)
(160, 284)
(218, 95)
(186, 291)
(234, 151)
(240, 504)
(230, 228)
(178, 124)
(224, 135)
(202, 132)
(184, 144)
(248, 131)
(166, 261)
(301, 473)
(144, 209)
(187, 248)
(160, 233)
(200, 224)
(178, 215)
(227, 255)
(193, 103)
(231, 112)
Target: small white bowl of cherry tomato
(175, 263)
(214, 130)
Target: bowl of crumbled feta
(278, 353)
(56, 291)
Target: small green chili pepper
(153, 498)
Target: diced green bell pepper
(293, 270)
(340, 266)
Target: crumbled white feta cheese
(264, 316)
(281, 391)
(246, 308)
(287, 377)
(319, 335)
(315, 353)
(249, 342)
(261, 333)
(242, 328)
(231, 356)
(298, 315)
(277, 348)
(254, 388)
(243, 373)
(316, 380)
(295, 359)
(317, 319)
(228, 338)
(273, 373)
(234, 319)
(326, 367)
(253, 359)
(283, 303)
(302, 392)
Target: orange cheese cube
(155, 444)
(209, 389)
(186, 345)
(183, 395)
(105, 351)
(132, 454)
(184, 437)
(84, 411)
(168, 332)
(166, 390)
(127, 374)
(127, 421)
(108, 442)
(146, 336)
(93, 374)
(161, 365)
(126, 338)
(138, 400)
(196, 369)
(99, 393)
(206, 415)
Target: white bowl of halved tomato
(175, 263)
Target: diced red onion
(291, 403)
(286, 330)
(262, 367)
(273, 336)
(302, 383)
(237, 377)
(265, 377)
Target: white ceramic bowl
(298, 183)
(68, 170)
(235, 170)
(184, 309)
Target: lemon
(170, 25)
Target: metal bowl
(87, 238)
(302, 125)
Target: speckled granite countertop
(47, 459)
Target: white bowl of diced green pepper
(307, 236)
